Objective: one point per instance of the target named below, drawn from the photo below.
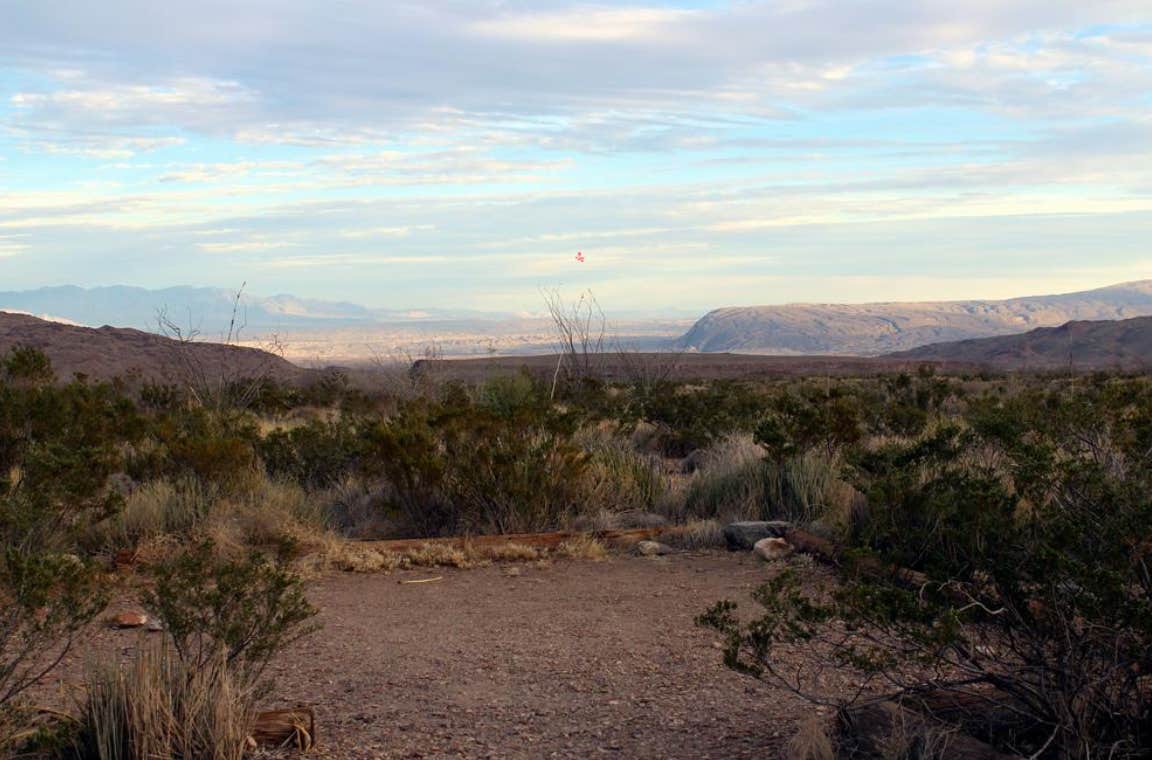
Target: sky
(460, 153)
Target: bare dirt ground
(571, 659)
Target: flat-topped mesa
(882, 328)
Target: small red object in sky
(580, 257)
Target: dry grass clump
(620, 477)
(158, 706)
(468, 555)
(512, 552)
(350, 506)
(811, 741)
(583, 547)
(336, 553)
(438, 555)
(917, 740)
(736, 482)
(156, 508)
(269, 514)
(350, 556)
(697, 535)
(162, 514)
(733, 482)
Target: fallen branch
(833, 554)
(294, 728)
(539, 540)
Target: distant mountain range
(209, 310)
(875, 329)
(883, 328)
(1120, 344)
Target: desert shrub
(316, 455)
(407, 452)
(905, 404)
(49, 592)
(794, 423)
(155, 508)
(270, 514)
(509, 480)
(216, 447)
(159, 705)
(695, 416)
(621, 478)
(1035, 593)
(225, 460)
(454, 467)
(733, 482)
(73, 416)
(243, 611)
(808, 488)
(696, 535)
(351, 508)
(162, 396)
(265, 395)
(737, 481)
(27, 365)
(506, 395)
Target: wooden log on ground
(295, 728)
(537, 540)
(832, 554)
(885, 729)
(981, 711)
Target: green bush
(1032, 527)
(456, 467)
(243, 611)
(318, 454)
(57, 457)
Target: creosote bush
(1031, 522)
(245, 611)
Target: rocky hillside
(881, 328)
(1125, 344)
(110, 352)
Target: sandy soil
(571, 659)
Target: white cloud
(591, 24)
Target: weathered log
(833, 554)
(538, 540)
(885, 729)
(295, 728)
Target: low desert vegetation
(1022, 526)
(1021, 501)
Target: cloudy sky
(460, 152)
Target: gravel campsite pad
(572, 659)
(561, 659)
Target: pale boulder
(772, 549)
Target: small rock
(772, 549)
(154, 626)
(652, 549)
(124, 559)
(742, 536)
(130, 619)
